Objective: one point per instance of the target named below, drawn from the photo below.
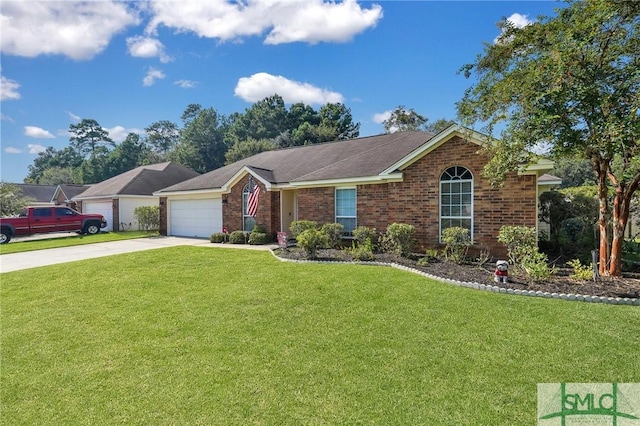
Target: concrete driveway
(35, 259)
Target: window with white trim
(456, 199)
(346, 208)
(248, 222)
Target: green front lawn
(200, 335)
(71, 240)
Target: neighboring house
(117, 198)
(431, 182)
(547, 182)
(51, 195)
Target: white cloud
(518, 21)
(8, 89)
(12, 150)
(186, 84)
(6, 118)
(152, 75)
(73, 117)
(283, 21)
(261, 85)
(35, 148)
(381, 117)
(76, 29)
(147, 47)
(119, 133)
(37, 132)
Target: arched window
(456, 199)
(248, 222)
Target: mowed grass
(200, 335)
(72, 239)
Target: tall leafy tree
(403, 119)
(162, 135)
(202, 144)
(129, 154)
(338, 117)
(571, 81)
(88, 135)
(52, 158)
(244, 149)
(12, 200)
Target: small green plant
(148, 217)
(258, 238)
(362, 252)
(457, 241)
(430, 255)
(537, 267)
(299, 226)
(398, 239)
(219, 237)
(363, 233)
(580, 271)
(312, 240)
(238, 237)
(334, 233)
(520, 242)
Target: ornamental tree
(569, 81)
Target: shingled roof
(347, 159)
(143, 180)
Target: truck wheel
(91, 229)
(5, 236)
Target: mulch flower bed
(626, 286)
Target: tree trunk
(620, 218)
(602, 167)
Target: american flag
(252, 200)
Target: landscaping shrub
(257, 238)
(218, 237)
(238, 237)
(398, 239)
(580, 271)
(298, 226)
(363, 233)
(522, 250)
(362, 252)
(312, 240)
(334, 233)
(457, 241)
(148, 217)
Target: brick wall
(317, 204)
(268, 215)
(163, 216)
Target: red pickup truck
(38, 220)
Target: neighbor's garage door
(195, 218)
(104, 209)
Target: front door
(288, 209)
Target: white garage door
(195, 218)
(104, 209)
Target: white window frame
(456, 178)
(245, 216)
(355, 207)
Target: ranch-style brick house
(430, 181)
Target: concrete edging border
(484, 287)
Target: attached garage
(105, 209)
(195, 218)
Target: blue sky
(129, 64)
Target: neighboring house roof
(69, 191)
(39, 193)
(550, 180)
(141, 181)
(367, 159)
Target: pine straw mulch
(626, 286)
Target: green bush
(537, 266)
(258, 238)
(362, 252)
(238, 237)
(299, 226)
(148, 217)
(457, 241)
(218, 237)
(363, 233)
(398, 239)
(334, 233)
(520, 241)
(312, 240)
(580, 271)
